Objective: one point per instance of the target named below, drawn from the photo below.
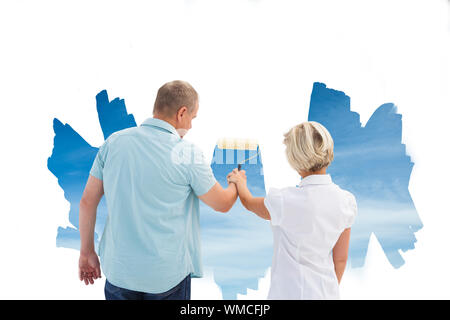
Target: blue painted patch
(237, 245)
(72, 159)
(371, 162)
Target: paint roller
(239, 144)
(240, 164)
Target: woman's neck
(304, 174)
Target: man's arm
(89, 266)
(340, 253)
(220, 199)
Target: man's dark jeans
(181, 291)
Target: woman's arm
(251, 203)
(340, 253)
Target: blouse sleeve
(274, 204)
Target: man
(152, 180)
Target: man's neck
(181, 132)
(169, 121)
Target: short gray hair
(309, 147)
(174, 95)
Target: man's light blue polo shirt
(152, 179)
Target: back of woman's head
(309, 147)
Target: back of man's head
(174, 95)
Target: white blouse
(307, 221)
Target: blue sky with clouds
(72, 159)
(237, 245)
(371, 162)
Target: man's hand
(237, 177)
(89, 268)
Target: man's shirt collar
(153, 122)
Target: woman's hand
(237, 177)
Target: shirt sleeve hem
(96, 175)
(205, 191)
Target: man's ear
(181, 112)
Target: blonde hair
(309, 147)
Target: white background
(253, 64)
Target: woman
(310, 222)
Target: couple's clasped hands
(237, 177)
(253, 204)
